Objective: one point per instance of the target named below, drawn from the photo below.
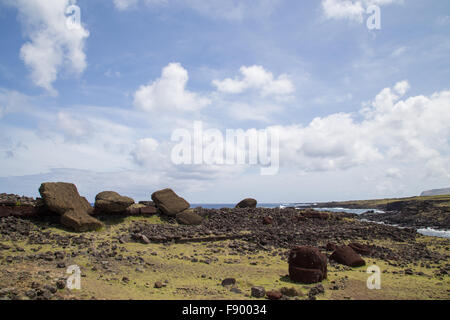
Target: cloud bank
(51, 45)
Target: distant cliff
(436, 192)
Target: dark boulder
(247, 203)
(228, 282)
(304, 275)
(169, 203)
(63, 198)
(60, 197)
(110, 202)
(347, 256)
(307, 265)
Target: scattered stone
(274, 295)
(290, 292)
(60, 284)
(409, 272)
(258, 292)
(228, 282)
(159, 285)
(31, 294)
(50, 288)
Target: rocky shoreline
(417, 212)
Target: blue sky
(361, 113)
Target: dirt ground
(34, 261)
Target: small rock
(258, 292)
(274, 295)
(50, 288)
(290, 292)
(409, 272)
(228, 282)
(31, 294)
(60, 284)
(235, 290)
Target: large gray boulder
(63, 198)
(110, 202)
(169, 203)
(60, 197)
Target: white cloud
(169, 93)
(256, 78)
(351, 9)
(52, 45)
(410, 132)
